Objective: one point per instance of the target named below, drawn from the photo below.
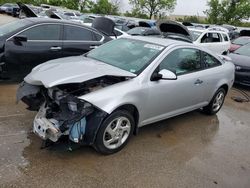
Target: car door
(43, 43)
(211, 75)
(168, 98)
(78, 40)
(213, 41)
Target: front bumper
(242, 78)
(46, 128)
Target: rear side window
(225, 37)
(182, 61)
(210, 61)
(211, 37)
(77, 33)
(43, 32)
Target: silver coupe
(101, 98)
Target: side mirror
(168, 75)
(163, 75)
(20, 38)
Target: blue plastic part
(77, 130)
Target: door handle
(93, 47)
(198, 82)
(55, 48)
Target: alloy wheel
(116, 133)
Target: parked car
(232, 31)
(144, 31)
(237, 43)
(212, 39)
(124, 28)
(5, 7)
(241, 59)
(103, 97)
(13, 10)
(72, 15)
(28, 42)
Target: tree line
(218, 12)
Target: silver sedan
(103, 97)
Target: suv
(215, 40)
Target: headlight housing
(72, 106)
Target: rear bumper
(242, 78)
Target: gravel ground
(5, 19)
(191, 150)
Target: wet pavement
(191, 150)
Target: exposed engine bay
(61, 112)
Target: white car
(215, 40)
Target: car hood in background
(240, 59)
(104, 25)
(72, 70)
(172, 27)
(27, 10)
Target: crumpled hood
(71, 70)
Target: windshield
(241, 41)
(127, 54)
(244, 50)
(12, 26)
(195, 34)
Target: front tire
(216, 103)
(114, 132)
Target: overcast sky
(183, 7)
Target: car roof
(157, 40)
(194, 29)
(206, 30)
(50, 20)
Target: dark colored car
(13, 10)
(144, 31)
(237, 43)
(5, 6)
(28, 42)
(241, 59)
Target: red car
(237, 43)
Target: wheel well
(225, 86)
(134, 112)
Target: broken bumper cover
(46, 128)
(61, 114)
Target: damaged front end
(61, 112)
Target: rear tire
(114, 132)
(216, 103)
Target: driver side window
(182, 61)
(43, 32)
